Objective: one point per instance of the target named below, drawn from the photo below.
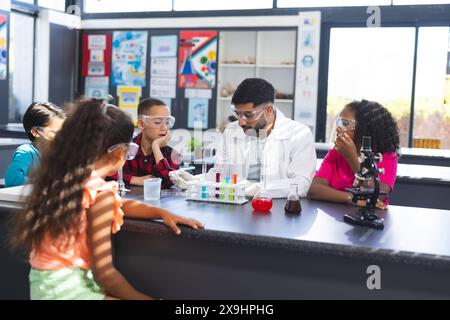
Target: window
(21, 64)
(27, 1)
(373, 64)
(413, 2)
(53, 4)
(191, 5)
(98, 6)
(432, 94)
(330, 3)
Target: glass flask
(293, 205)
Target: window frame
(396, 18)
(30, 11)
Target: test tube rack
(219, 192)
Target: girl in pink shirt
(337, 172)
(72, 211)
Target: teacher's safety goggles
(250, 115)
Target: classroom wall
(56, 69)
(63, 67)
(4, 84)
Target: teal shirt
(25, 158)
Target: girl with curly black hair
(72, 211)
(337, 172)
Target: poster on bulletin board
(129, 58)
(198, 112)
(3, 47)
(197, 59)
(307, 71)
(96, 87)
(96, 60)
(164, 46)
(129, 99)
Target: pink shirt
(336, 170)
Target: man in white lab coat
(264, 141)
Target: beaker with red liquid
(262, 202)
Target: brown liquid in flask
(293, 205)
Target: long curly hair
(374, 120)
(54, 206)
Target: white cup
(152, 189)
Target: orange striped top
(52, 255)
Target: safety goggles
(250, 115)
(132, 149)
(158, 122)
(345, 124)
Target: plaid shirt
(143, 165)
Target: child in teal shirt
(41, 121)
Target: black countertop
(411, 235)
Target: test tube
(204, 167)
(217, 181)
(232, 190)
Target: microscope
(366, 216)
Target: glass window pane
(98, 6)
(432, 96)
(53, 4)
(330, 3)
(20, 65)
(373, 64)
(412, 2)
(27, 1)
(183, 5)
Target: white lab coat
(289, 153)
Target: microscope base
(365, 219)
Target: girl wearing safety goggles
(154, 157)
(71, 213)
(337, 172)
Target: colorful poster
(96, 68)
(129, 58)
(164, 46)
(198, 112)
(308, 53)
(196, 93)
(197, 59)
(96, 60)
(163, 87)
(164, 67)
(97, 42)
(3, 47)
(129, 97)
(96, 87)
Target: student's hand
(171, 220)
(163, 141)
(139, 181)
(346, 147)
(380, 204)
